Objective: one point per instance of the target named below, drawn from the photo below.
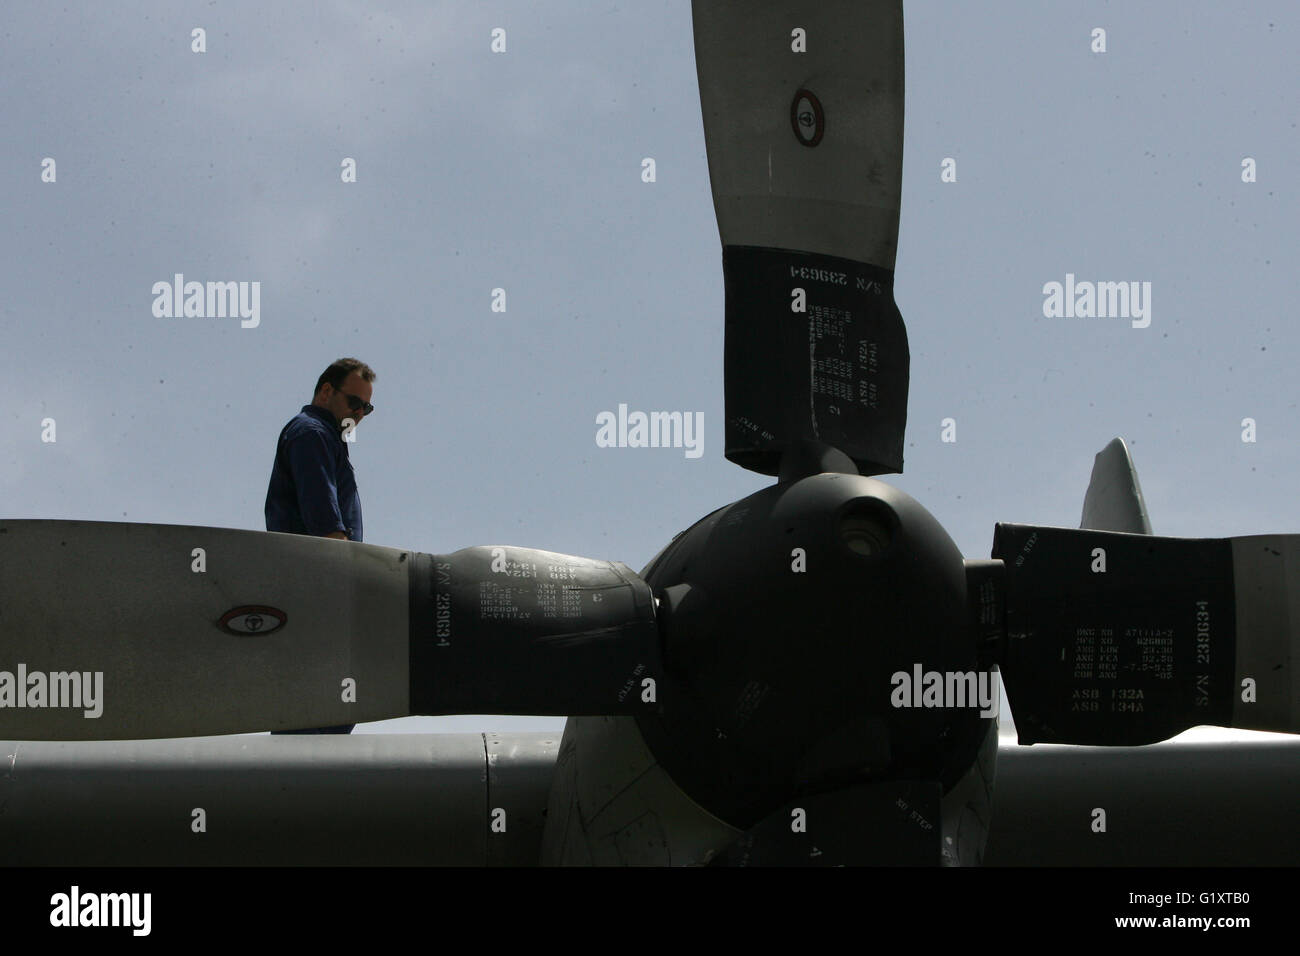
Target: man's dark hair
(337, 373)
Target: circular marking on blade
(807, 118)
(252, 619)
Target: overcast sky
(521, 170)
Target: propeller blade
(1123, 639)
(127, 631)
(1113, 501)
(803, 122)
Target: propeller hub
(786, 619)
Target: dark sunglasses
(357, 404)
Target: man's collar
(324, 414)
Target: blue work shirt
(313, 489)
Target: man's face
(336, 400)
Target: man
(313, 489)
